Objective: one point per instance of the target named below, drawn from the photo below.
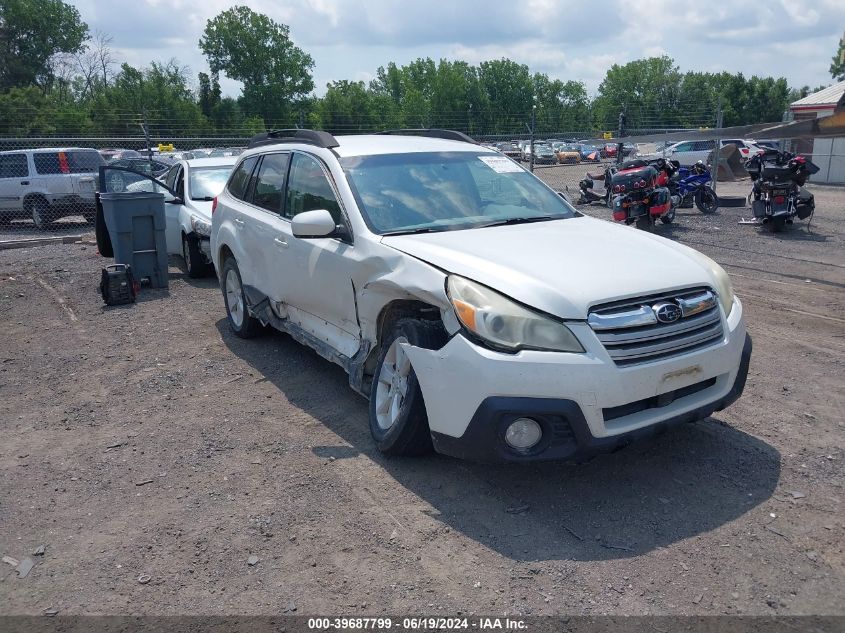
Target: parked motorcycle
(589, 192)
(692, 185)
(778, 194)
(640, 193)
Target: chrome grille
(631, 332)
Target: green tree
(837, 65)
(32, 32)
(508, 90)
(209, 92)
(252, 48)
(161, 93)
(648, 90)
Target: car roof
(217, 161)
(376, 144)
(39, 150)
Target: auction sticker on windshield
(500, 164)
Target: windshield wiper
(526, 220)
(430, 229)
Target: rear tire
(776, 225)
(195, 264)
(41, 214)
(398, 420)
(706, 200)
(241, 322)
(645, 223)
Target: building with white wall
(827, 153)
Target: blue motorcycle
(692, 185)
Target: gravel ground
(147, 440)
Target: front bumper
(584, 402)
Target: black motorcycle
(778, 191)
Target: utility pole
(146, 130)
(620, 133)
(533, 126)
(717, 147)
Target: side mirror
(313, 224)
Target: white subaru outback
(480, 313)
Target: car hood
(561, 267)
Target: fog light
(523, 434)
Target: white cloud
(576, 39)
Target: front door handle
(24, 182)
(281, 243)
(239, 222)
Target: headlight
(200, 226)
(724, 286)
(504, 323)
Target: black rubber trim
(566, 435)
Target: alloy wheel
(392, 384)
(234, 298)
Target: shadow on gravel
(689, 481)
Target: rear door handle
(280, 242)
(24, 182)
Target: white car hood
(561, 267)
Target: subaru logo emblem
(666, 312)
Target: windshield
(208, 182)
(441, 191)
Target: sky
(567, 39)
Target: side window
(47, 163)
(240, 179)
(269, 189)
(13, 166)
(309, 189)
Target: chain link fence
(48, 184)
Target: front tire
(195, 264)
(398, 420)
(241, 322)
(706, 200)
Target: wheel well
(225, 253)
(392, 313)
(29, 200)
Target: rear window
(240, 179)
(71, 162)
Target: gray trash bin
(136, 224)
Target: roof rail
(309, 137)
(450, 135)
